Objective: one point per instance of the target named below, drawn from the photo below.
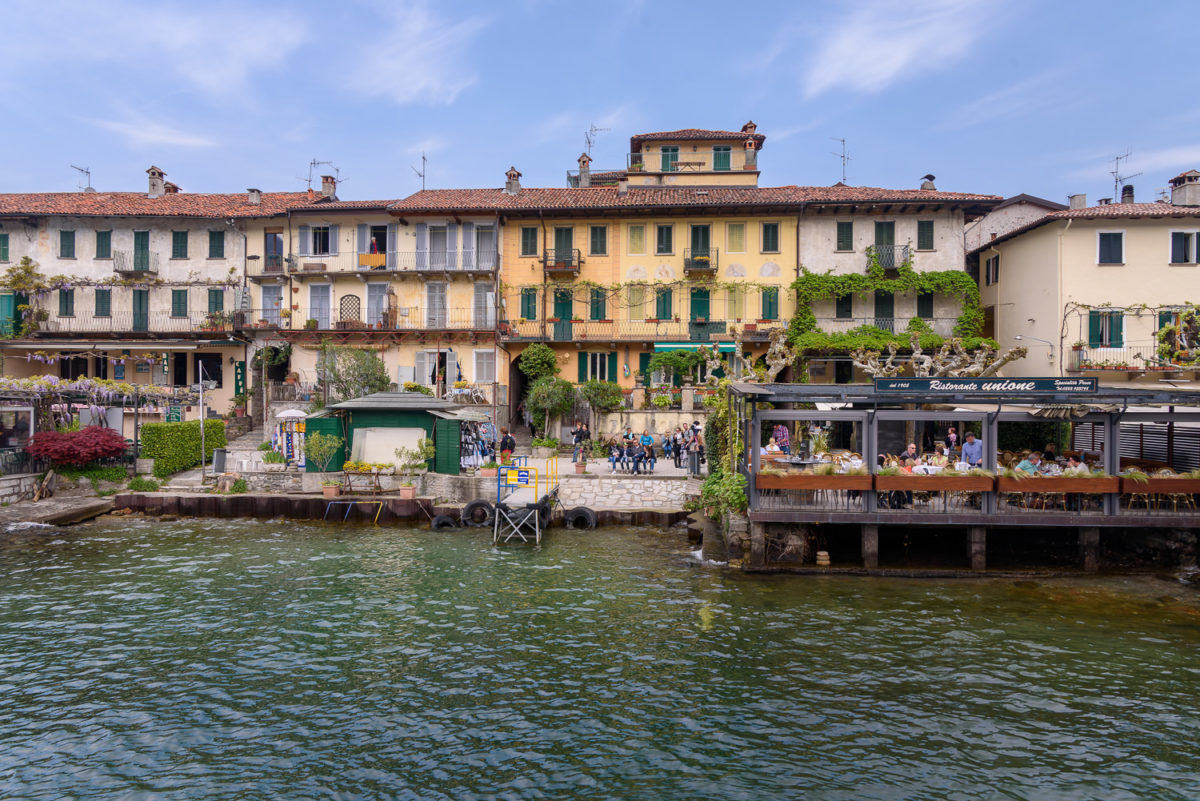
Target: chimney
(329, 187)
(512, 181)
(623, 186)
(585, 171)
(170, 188)
(751, 152)
(1077, 201)
(1127, 193)
(156, 182)
(1104, 201)
(1185, 189)
(749, 128)
(254, 197)
(927, 182)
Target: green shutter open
(1116, 330)
(529, 303)
(583, 371)
(1095, 329)
(612, 366)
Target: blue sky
(999, 96)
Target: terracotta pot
(580, 468)
(331, 492)
(406, 493)
(489, 472)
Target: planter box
(489, 472)
(406, 492)
(1162, 486)
(936, 483)
(331, 492)
(807, 482)
(544, 453)
(1064, 484)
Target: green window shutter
(599, 240)
(670, 155)
(721, 157)
(925, 305)
(1180, 250)
(103, 302)
(599, 305)
(770, 237)
(844, 307)
(924, 234)
(216, 244)
(104, 244)
(66, 303)
(612, 366)
(179, 244)
(1095, 328)
(1110, 248)
(3, 247)
(644, 364)
(583, 360)
(665, 245)
(663, 305)
(216, 300)
(179, 302)
(1116, 330)
(529, 241)
(1165, 318)
(529, 303)
(770, 303)
(66, 244)
(845, 236)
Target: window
(529, 240)
(599, 240)
(991, 272)
(770, 237)
(104, 244)
(208, 365)
(770, 303)
(179, 241)
(179, 302)
(485, 367)
(1167, 317)
(1110, 247)
(104, 303)
(845, 236)
(320, 240)
(66, 244)
(216, 300)
(637, 239)
(598, 366)
(599, 305)
(216, 244)
(670, 157)
(663, 304)
(66, 303)
(924, 234)
(735, 238)
(843, 308)
(665, 243)
(925, 305)
(529, 303)
(1181, 247)
(735, 303)
(637, 303)
(3, 247)
(721, 157)
(1105, 329)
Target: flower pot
(580, 468)
(489, 472)
(239, 411)
(331, 492)
(406, 492)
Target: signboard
(239, 378)
(174, 414)
(517, 477)
(993, 385)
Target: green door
(446, 445)
(700, 234)
(663, 303)
(885, 244)
(700, 327)
(564, 310)
(141, 310)
(141, 250)
(8, 311)
(699, 303)
(564, 246)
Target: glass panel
(845, 236)
(670, 156)
(599, 245)
(529, 241)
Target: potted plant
(239, 404)
(489, 470)
(285, 314)
(319, 450)
(310, 324)
(292, 377)
(581, 465)
(331, 489)
(274, 462)
(411, 462)
(545, 447)
(1078, 345)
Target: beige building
(1088, 289)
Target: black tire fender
(478, 513)
(580, 517)
(442, 522)
(544, 510)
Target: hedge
(176, 446)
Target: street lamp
(1050, 355)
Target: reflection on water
(242, 659)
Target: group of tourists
(638, 453)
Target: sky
(994, 96)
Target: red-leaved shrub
(77, 447)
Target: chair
(1175, 498)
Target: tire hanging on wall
(580, 517)
(478, 513)
(442, 522)
(544, 510)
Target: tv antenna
(844, 156)
(1118, 179)
(421, 172)
(86, 174)
(312, 167)
(590, 136)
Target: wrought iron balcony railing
(562, 259)
(135, 262)
(700, 260)
(889, 257)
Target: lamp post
(1050, 355)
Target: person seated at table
(939, 458)
(972, 450)
(1075, 467)
(772, 447)
(1050, 452)
(1031, 464)
(910, 457)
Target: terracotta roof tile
(684, 134)
(137, 204)
(1108, 211)
(335, 205)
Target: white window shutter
(305, 240)
(405, 374)
(421, 369)
(333, 240)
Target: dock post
(977, 547)
(870, 546)
(758, 544)
(1089, 549)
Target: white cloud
(141, 132)
(418, 57)
(882, 41)
(1010, 102)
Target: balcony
(122, 323)
(890, 257)
(466, 262)
(351, 317)
(134, 263)
(697, 260)
(625, 330)
(942, 326)
(562, 260)
(1133, 359)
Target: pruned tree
(950, 360)
(780, 355)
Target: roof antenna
(590, 137)
(844, 156)
(86, 174)
(1118, 179)
(314, 164)
(421, 172)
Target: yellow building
(1088, 289)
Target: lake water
(254, 660)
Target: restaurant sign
(985, 386)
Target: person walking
(507, 446)
(695, 451)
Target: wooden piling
(1089, 549)
(870, 546)
(977, 547)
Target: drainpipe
(1062, 329)
(545, 283)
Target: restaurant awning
(723, 347)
